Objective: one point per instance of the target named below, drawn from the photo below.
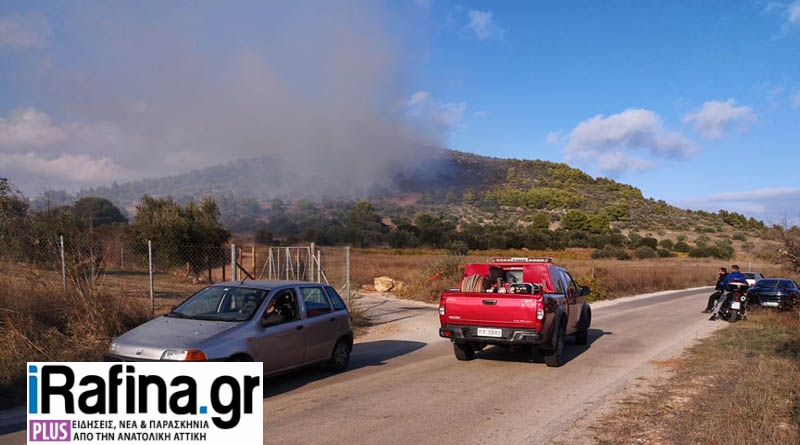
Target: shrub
(645, 252)
(739, 236)
(455, 247)
(648, 242)
(611, 252)
(682, 246)
(710, 252)
(664, 253)
(441, 274)
(666, 244)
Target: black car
(781, 293)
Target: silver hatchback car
(284, 324)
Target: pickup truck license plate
(735, 305)
(769, 304)
(488, 332)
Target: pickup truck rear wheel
(555, 357)
(464, 351)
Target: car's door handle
(300, 328)
(333, 320)
(490, 302)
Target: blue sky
(695, 103)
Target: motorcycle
(732, 304)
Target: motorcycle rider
(735, 275)
(718, 289)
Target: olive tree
(181, 234)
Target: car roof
(769, 280)
(266, 284)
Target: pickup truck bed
(514, 303)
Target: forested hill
(463, 187)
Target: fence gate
(293, 263)
(306, 264)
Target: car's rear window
(338, 304)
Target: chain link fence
(167, 273)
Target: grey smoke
(319, 86)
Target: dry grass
(741, 386)
(427, 273)
(41, 322)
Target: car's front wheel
(340, 356)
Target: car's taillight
(441, 310)
(194, 355)
(539, 310)
(184, 355)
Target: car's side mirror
(585, 290)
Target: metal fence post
(150, 267)
(233, 262)
(319, 266)
(63, 263)
(347, 273)
(312, 253)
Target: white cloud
(796, 99)
(480, 113)
(32, 144)
(78, 169)
(606, 141)
(794, 13)
(449, 114)
(19, 32)
(28, 128)
(482, 23)
(444, 116)
(715, 117)
(770, 204)
(554, 137)
(418, 98)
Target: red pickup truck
(515, 302)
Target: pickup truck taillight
(442, 302)
(441, 310)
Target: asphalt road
(414, 391)
(404, 386)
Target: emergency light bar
(520, 260)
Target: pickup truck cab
(515, 302)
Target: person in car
(718, 288)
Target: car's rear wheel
(464, 351)
(340, 356)
(555, 357)
(734, 315)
